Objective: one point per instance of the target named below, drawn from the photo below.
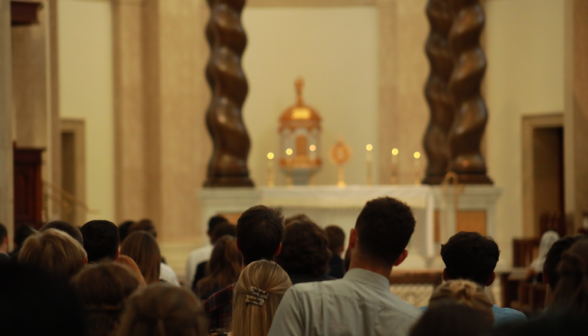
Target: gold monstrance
(300, 133)
(340, 154)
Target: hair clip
(257, 297)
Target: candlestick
(270, 170)
(289, 181)
(369, 162)
(417, 168)
(394, 179)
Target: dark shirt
(302, 278)
(336, 266)
(200, 274)
(219, 308)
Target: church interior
(179, 110)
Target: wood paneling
(28, 187)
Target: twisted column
(228, 85)
(440, 104)
(471, 115)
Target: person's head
(463, 292)
(571, 294)
(100, 240)
(163, 310)
(103, 289)
(470, 256)
(145, 225)
(254, 309)
(3, 239)
(305, 249)
(132, 265)
(224, 266)
(223, 229)
(123, 229)
(553, 257)
(34, 302)
(336, 237)
(55, 252)
(451, 319)
(382, 232)
(71, 230)
(21, 233)
(214, 221)
(143, 249)
(259, 233)
(297, 218)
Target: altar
(437, 213)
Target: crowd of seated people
(268, 275)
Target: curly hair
(305, 249)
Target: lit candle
(369, 160)
(270, 170)
(289, 181)
(417, 168)
(394, 179)
(312, 149)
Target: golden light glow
(417, 155)
(369, 147)
(312, 148)
(395, 151)
(270, 155)
(289, 151)
(301, 113)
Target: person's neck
(370, 265)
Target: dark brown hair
(470, 256)
(71, 230)
(554, 256)
(103, 289)
(223, 229)
(143, 249)
(101, 240)
(336, 238)
(384, 228)
(259, 233)
(145, 225)
(305, 249)
(223, 268)
(452, 319)
(571, 294)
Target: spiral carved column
(471, 114)
(228, 85)
(440, 104)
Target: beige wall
(86, 92)
(525, 50)
(335, 50)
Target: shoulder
(219, 299)
(507, 315)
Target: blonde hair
(53, 251)
(250, 319)
(163, 310)
(463, 292)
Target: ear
(446, 275)
(491, 280)
(352, 239)
(117, 253)
(239, 249)
(85, 261)
(279, 249)
(400, 259)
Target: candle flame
(417, 155)
(369, 147)
(312, 148)
(289, 151)
(270, 155)
(395, 151)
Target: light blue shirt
(501, 315)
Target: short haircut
(470, 256)
(100, 240)
(145, 225)
(3, 233)
(553, 258)
(384, 228)
(297, 218)
(123, 229)
(336, 237)
(53, 251)
(223, 229)
(21, 234)
(305, 249)
(71, 230)
(143, 249)
(214, 221)
(259, 233)
(451, 319)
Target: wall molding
(311, 3)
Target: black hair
(214, 221)
(101, 240)
(470, 256)
(553, 258)
(384, 228)
(452, 319)
(71, 230)
(259, 233)
(123, 230)
(145, 225)
(3, 233)
(21, 233)
(336, 237)
(223, 229)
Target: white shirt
(196, 257)
(358, 304)
(167, 273)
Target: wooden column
(436, 91)
(227, 40)
(6, 162)
(471, 114)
